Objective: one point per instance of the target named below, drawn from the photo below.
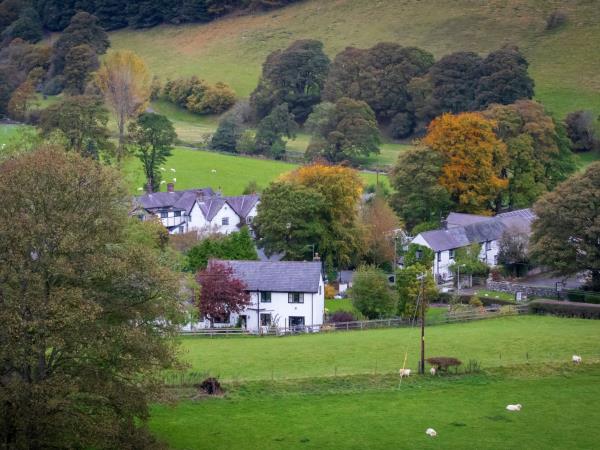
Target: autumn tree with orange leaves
(474, 160)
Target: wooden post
(422, 364)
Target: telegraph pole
(422, 362)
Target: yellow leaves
(474, 159)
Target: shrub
(330, 291)
(556, 19)
(443, 363)
(342, 316)
(211, 386)
(54, 86)
(565, 309)
(576, 296)
(475, 301)
(443, 297)
(402, 126)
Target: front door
(296, 321)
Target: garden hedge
(565, 309)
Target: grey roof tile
(277, 276)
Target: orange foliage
(474, 159)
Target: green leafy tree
(294, 76)
(88, 315)
(415, 286)
(27, 27)
(152, 137)
(83, 29)
(371, 293)
(233, 246)
(345, 131)
(227, 135)
(290, 220)
(467, 260)
(271, 131)
(80, 62)
(418, 196)
(583, 129)
(565, 233)
(513, 252)
(82, 120)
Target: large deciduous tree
(232, 246)
(566, 233)
(344, 131)
(125, 82)
(86, 312)
(474, 160)
(539, 156)
(415, 286)
(584, 131)
(152, 137)
(82, 121)
(271, 131)
(371, 293)
(294, 76)
(290, 220)
(80, 62)
(221, 293)
(418, 195)
(379, 223)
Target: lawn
(495, 294)
(467, 412)
(563, 62)
(194, 169)
(494, 342)
(7, 132)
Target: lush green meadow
(493, 343)
(564, 62)
(376, 412)
(8, 132)
(194, 168)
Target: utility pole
(422, 362)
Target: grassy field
(563, 62)
(7, 132)
(193, 169)
(493, 343)
(466, 411)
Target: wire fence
(357, 325)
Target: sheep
(404, 373)
(516, 407)
(431, 432)
(576, 359)
(432, 371)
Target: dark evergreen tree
(271, 130)
(79, 63)
(27, 27)
(226, 137)
(112, 14)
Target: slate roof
(179, 200)
(346, 276)
(279, 276)
(487, 229)
(461, 219)
(242, 204)
(211, 206)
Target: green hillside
(564, 62)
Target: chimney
(170, 187)
(316, 257)
(444, 224)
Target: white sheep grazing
(431, 432)
(432, 371)
(404, 373)
(576, 359)
(516, 407)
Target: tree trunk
(121, 121)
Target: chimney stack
(170, 187)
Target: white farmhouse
(284, 294)
(197, 209)
(461, 230)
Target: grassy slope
(194, 169)
(7, 132)
(493, 343)
(563, 62)
(467, 412)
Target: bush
(475, 301)
(54, 86)
(443, 297)
(342, 316)
(402, 126)
(576, 296)
(565, 309)
(443, 363)
(330, 291)
(211, 386)
(556, 19)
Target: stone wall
(528, 291)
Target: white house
(284, 294)
(197, 209)
(461, 230)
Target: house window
(451, 254)
(488, 246)
(265, 297)
(495, 260)
(439, 256)
(296, 321)
(181, 229)
(249, 219)
(296, 297)
(225, 221)
(177, 214)
(164, 214)
(265, 320)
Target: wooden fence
(397, 322)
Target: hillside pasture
(194, 169)
(493, 343)
(563, 61)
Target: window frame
(224, 221)
(292, 296)
(451, 254)
(264, 323)
(264, 297)
(164, 214)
